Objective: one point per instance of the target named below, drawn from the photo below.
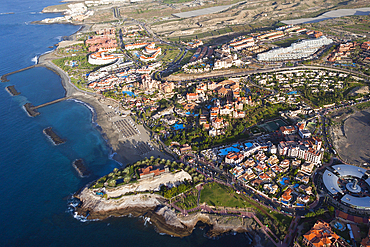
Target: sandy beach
(125, 150)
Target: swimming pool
(248, 144)
(284, 181)
(339, 226)
(178, 126)
(129, 93)
(225, 151)
(292, 92)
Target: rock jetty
(81, 168)
(53, 136)
(12, 91)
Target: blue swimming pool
(225, 151)
(300, 204)
(284, 181)
(338, 225)
(248, 144)
(129, 93)
(292, 92)
(178, 126)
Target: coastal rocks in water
(30, 109)
(169, 216)
(53, 136)
(81, 168)
(94, 205)
(12, 91)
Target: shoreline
(165, 220)
(90, 99)
(122, 150)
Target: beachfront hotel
(149, 50)
(100, 58)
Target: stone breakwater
(53, 136)
(12, 91)
(164, 219)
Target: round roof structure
(352, 190)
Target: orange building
(366, 45)
(366, 241)
(151, 172)
(321, 235)
(286, 196)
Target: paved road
(245, 73)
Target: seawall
(4, 78)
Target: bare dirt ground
(260, 11)
(150, 184)
(352, 139)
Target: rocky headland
(154, 206)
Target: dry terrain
(261, 12)
(352, 139)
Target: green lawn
(362, 106)
(187, 57)
(215, 194)
(168, 53)
(288, 41)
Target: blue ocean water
(36, 177)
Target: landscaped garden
(189, 200)
(215, 194)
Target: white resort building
(100, 58)
(298, 50)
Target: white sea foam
(35, 59)
(85, 104)
(24, 108)
(73, 203)
(112, 155)
(146, 221)
(59, 38)
(79, 217)
(46, 52)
